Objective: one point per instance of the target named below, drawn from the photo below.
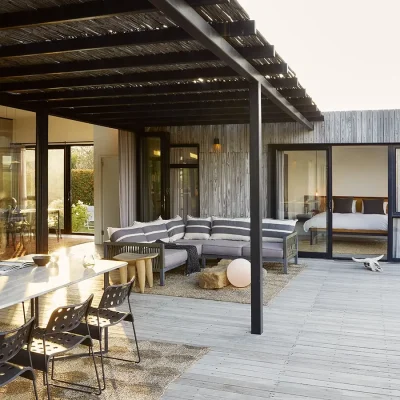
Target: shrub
(82, 186)
(79, 216)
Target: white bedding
(359, 221)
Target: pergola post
(255, 210)
(41, 181)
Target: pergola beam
(159, 90)
(153, 76)
(81, 11)
(86, 105)
(239, 112)
(229, 106)
(237, 28)
(187, 18)
(151, 60)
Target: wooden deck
(331, 334)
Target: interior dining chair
(57, 339)
(11, 343)
(104, 316)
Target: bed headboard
(319, 202)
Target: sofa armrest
(290, 246)
(111, 249)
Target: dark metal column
(41, 181)
(255, 210)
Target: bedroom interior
(359, 177)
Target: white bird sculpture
(370, 263)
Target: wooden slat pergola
(134, 64)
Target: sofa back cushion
(198, 228)
(156, 230)
(230, 229)
(277, 228)
(133, 234)
(175, 228)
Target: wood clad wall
(224, 176)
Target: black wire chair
(11, 343)
(102, 317)
(56, 339)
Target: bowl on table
(41, 259)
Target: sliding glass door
(154, 176)
(302, 188)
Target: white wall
(360, 171)
(105, 144)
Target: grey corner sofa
(282, 249)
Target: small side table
(143, 264)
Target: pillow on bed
(343, 205)
(373, 206)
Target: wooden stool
(143, 265)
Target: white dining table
(32, 282)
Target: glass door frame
(189, 166)
(165, 171)
(67, 185)
(392, 200)
(273, 188)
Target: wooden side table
(143, 264)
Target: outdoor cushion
(156, 230)
(198, 243)
(198, 228)
(230, 229)
(277, 228)
(223, 248)
(269, 250)
(173, 257)
(132, 234)
(175, 228)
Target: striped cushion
(198, 228)
(156, 230)
(230, 229)
(131, 234)
(277, 228)
(175, 228)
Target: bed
(355, 223)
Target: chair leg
(35, 392)
(162, 277)
(46, 379)
(97, 372)
(102, 361)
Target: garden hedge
(82, 186)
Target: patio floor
(332, 333)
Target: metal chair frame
(58, 331)
(13, 341)
(114, 295)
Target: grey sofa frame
(111, 249)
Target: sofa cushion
(175, 228)
(269, 250)
(197, 228)
(155, 230)
(230, 229)
(174, 258)
(132, 234)
(198, 243)
(223, 248)
(277, 228)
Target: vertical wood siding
(224, 176)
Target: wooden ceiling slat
(121, 39)
(82, 11)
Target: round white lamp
(239, 273)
